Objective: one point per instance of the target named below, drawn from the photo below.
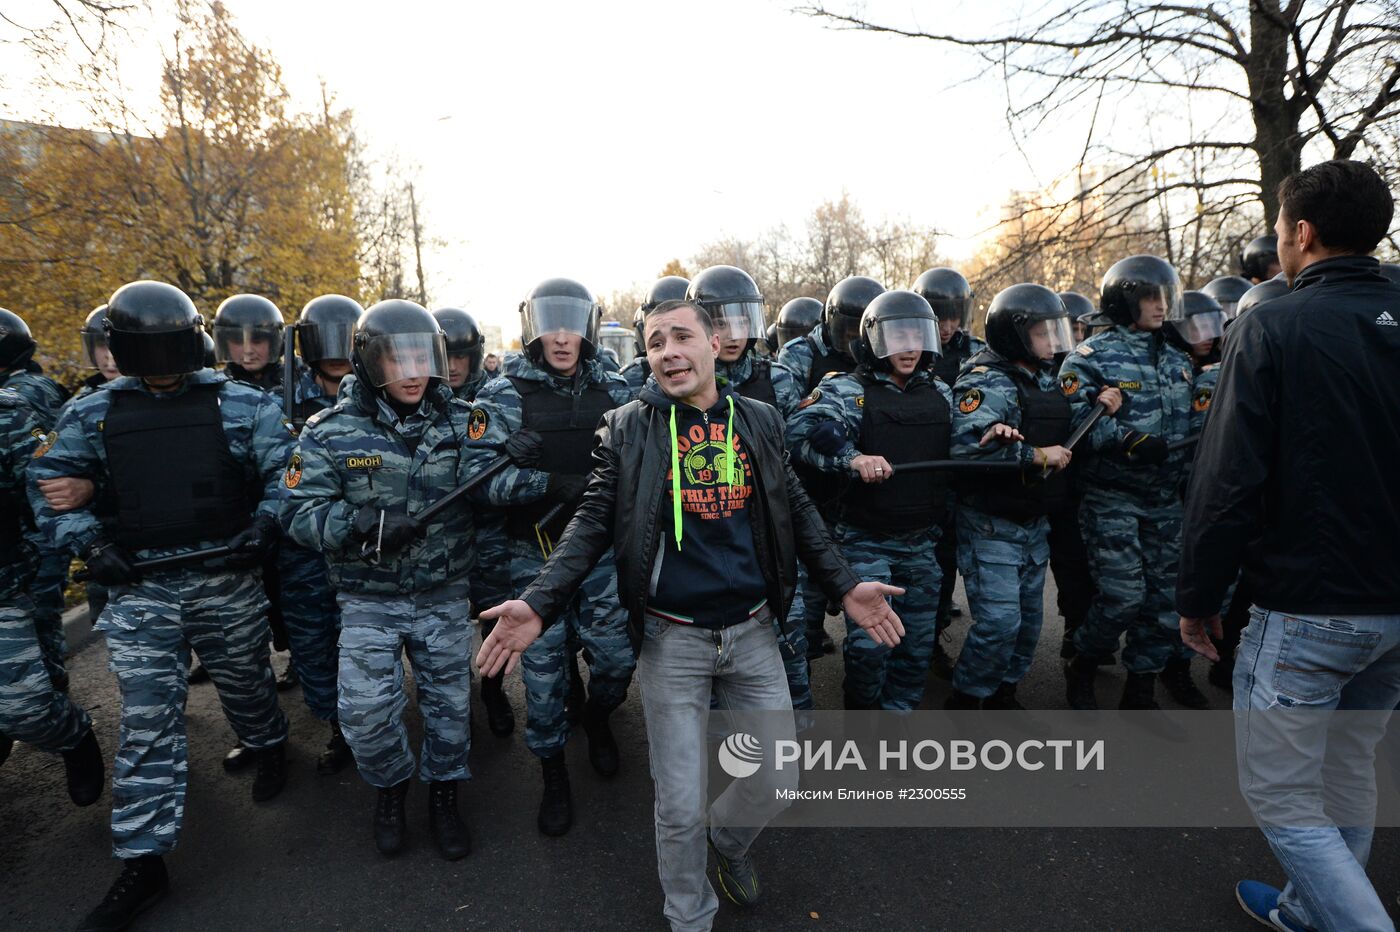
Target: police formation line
(299, 513)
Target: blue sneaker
(1260, 903)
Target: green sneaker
(737, 878)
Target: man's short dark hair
(702, 315)
(1345, 200)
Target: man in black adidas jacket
(691, 487)
(1296, 481)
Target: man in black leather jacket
(691, 487)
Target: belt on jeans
(761, 613)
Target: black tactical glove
(525, 447)
(828, 439)
(565, 488)
(250, 546)
(1147, 449)
(398, 529)
(109, 564)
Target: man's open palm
(517, 626)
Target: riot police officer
(220, 489)
(824, 350)
(950, 296)
(1131, 511)
(543, 415)
(490, 579)
(891, 410)
(1259, 261)
(22, 375)
(363, 470)
(95, 351)
(31, 709)
(796, 319)
(1009, 408)
(1081, 314)
(666, 288)
(1227, 290)
(324, 334)
(248, 331)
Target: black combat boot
(819, 643)
(1177, 678)
(272, 772)
(1138, 693)
(140, 886)
(336, 757)
(197, 673)
(59, 681)
(557, 804)
(943, 662)
(499, 715)
(1079, 683)
(389, 818)
(1003, 700)
(239, 759)
(961, 702)
(602, 747)
(85, 771)
(449, 833)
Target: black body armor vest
(904, 427)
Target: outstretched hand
(865, 605)
(517, 626)
(1196, 633)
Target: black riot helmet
(93, 335)
(1202, 320)
(554, 305)
(153, 330)
(797, 318)
(897, 322)
(210, 357)
(732, 300)
(1391, 271)
(1275, 287)
(1079, 306)
(16, 342)
(770, 337)
(1227, 291)
(462, 336)
(844, 309)
(665, 288)
(244, 319)
(325, 329)
(397, 340)
(1259, 254)
(1028, 323)
(948, 293)
(1129, 281)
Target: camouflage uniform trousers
(1003, 566)
(1133, 546)
(596, 620)
(47, 593)
(150, 627)
(435, 630)
(490, 579)
(31, 710)
(880, 677)
(312, 619)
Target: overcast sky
(599, 140)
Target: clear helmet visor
(1046, 339)
(249, 347)
(92, 342)
(326, 341)
(399, 356)
(737, 320)
(1201, 328)
(1230, 308)
(890, 337)
(844, 331)
(557, 314)
(1157, 302)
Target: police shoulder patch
(811, 399)
(970, 401)
(292, 477)
(477, 423)
(860, 401)
(1131, 386)
(46, 442)
(1069, 383)
(1201, 400)
(364, 462)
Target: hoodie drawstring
(729, 455)
(675, 482)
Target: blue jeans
(678, 667)
(1310, 783)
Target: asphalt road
(306, 859)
